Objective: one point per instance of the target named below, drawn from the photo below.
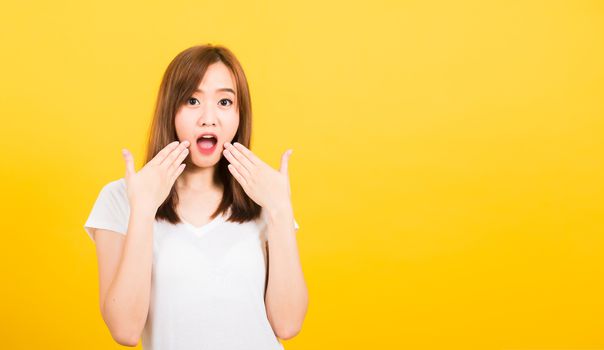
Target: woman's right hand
(149, 187)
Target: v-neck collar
(204, 228)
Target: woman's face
(210, 109)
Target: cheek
(233, 122)
(183, 123)
(179, 128)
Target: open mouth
(207, 142)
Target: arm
(125, 294)
(286, 297)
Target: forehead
(218, 75)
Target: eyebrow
(221, 89)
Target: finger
(237, 175)
(179, 171)
(235, 162)
(174, 166)
(161, 155)
(285, 161)
(248, 153)
(170, 158)
(243, 160)
(284, 168)
(129, 162)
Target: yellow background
(447, 172)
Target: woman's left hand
(263, 184)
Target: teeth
(208, 136)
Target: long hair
(181, 78)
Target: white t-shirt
(207, 285)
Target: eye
(225, 99)
(193, 99)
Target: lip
(207, 151)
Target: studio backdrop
(447, 170)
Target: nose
(207, 117)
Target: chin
(204, 161)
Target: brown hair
(180, 80)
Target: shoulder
(115, 186)
(116, 191)
(111, 209)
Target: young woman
(183, 244)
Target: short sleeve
(111, 210)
